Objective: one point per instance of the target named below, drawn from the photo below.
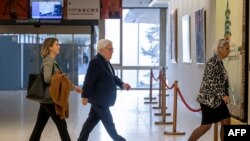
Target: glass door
(75, 53)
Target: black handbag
(38, 90)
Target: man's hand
(126, 86)
(84, 101)
(78, 89)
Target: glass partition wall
(139, 48)
(75, 53)
(137, 40)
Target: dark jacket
(100, 83)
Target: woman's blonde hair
(221, 43)
(48, 42)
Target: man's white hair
(102, 44)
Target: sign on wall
(83, 9)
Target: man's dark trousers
(96, 114)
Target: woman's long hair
(48, 42)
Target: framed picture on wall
(173, 35)
(186, 49)
(200, 36)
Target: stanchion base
(163, 123)
(149, 98)
(160, 114)
(165, 95)
(174, 133)
(150, 102)
(158, 107)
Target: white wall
(189, 75)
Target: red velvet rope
(185, 103)
(160, 77)
(156, 79)
(166, 85)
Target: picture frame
(173, 36)
(186, 40)
(200, 36)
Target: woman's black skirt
(213, 115)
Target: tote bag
(38, 90)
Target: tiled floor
(134, 120)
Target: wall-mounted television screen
(46, 9)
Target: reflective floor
(134, 120)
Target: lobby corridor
(134, 120)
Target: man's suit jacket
(100, 82)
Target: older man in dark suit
(99, 89)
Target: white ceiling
(145, 3)
(135, 3)
(142, 16)
(137, 13)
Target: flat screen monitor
(46, 9)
